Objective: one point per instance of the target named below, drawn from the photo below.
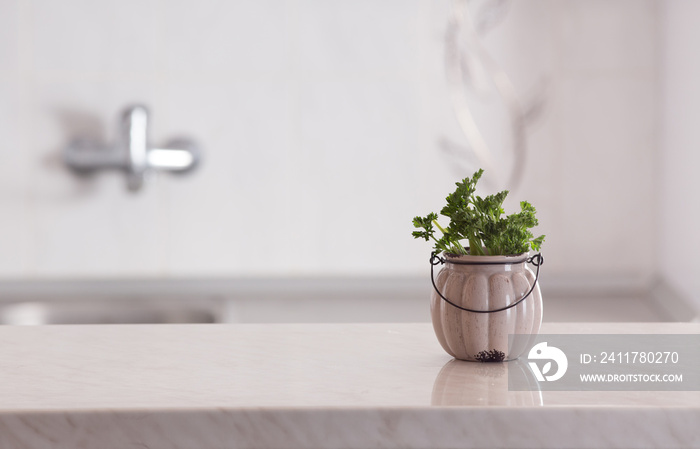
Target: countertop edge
(355, 427)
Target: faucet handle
(178, 155)
(132, 152)
(134, 143)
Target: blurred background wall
(322, 124)
(678, 155)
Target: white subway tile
(678, 239)
(606, 36)
(80, 37)
(235, 214)
(606, 204)
(524, 45)
(213, 36)
(9, 37)
(347, 39)
(13, 183)
(98, 230)
(360, 156)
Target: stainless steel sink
(242, 300)
(104, 312)
(104, 302)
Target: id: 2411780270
(630, 357)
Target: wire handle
(536, 260)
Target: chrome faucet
(132, 151)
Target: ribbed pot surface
(495, 282)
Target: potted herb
(485, 291)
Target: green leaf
(480, 222)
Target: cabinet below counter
(308, 386)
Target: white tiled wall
(679, 239)
(320, 122)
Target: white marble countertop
(304, 386)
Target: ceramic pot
(485, 283)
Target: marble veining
(306, 385)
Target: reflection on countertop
(469, 383)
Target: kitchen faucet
(132, 152)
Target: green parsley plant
(480, 222)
